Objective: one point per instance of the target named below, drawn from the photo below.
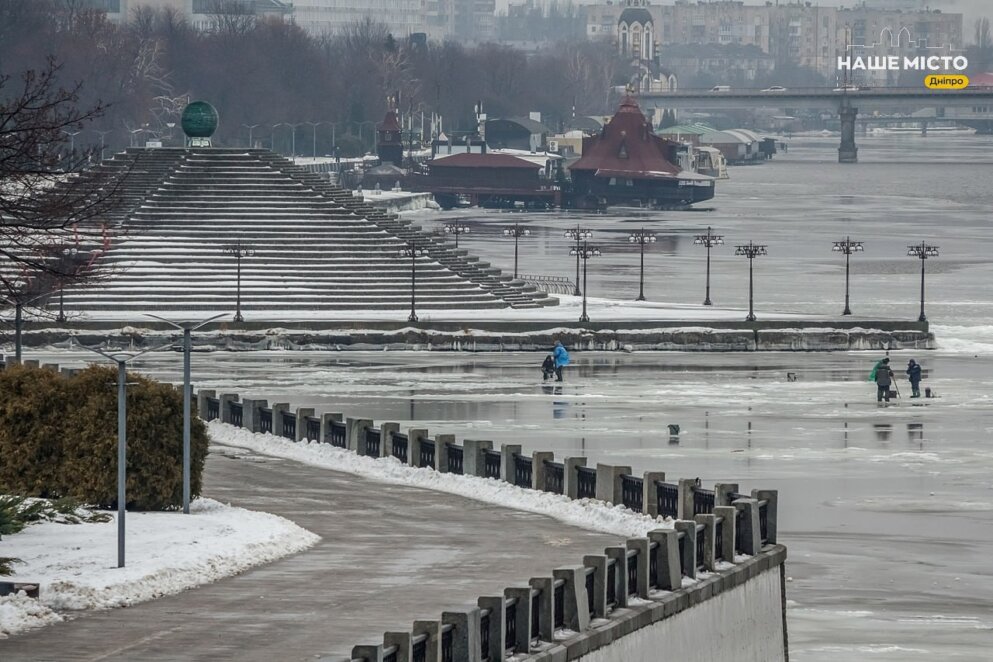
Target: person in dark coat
(884, 379)
(914, 375)
(548, 368)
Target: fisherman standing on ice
(561, 357)
(914, 375)
(883, 376)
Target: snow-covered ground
(167, 552)
(584, 513)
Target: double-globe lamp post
(239, 251)
(579, 235)
(413, 251)
(751, 251)
(708, 240)
(516, 231)
(922, 251)
(847, 246)
(455, 229)
(584, 253)
(641, 238)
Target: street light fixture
(239, 251)
(922, 251)
(641, 238)
(314, 125)
(102, 136)
(72, 140)
(67, 253)
(847, 246)
(456, 229)
(413, 251)
(751, 251)
(709, 240)
(187, 328)
(585, 252)
(293, 136)
(250, 127)
(516, 231)
(121, 359)
(19, 320)
(580, 235)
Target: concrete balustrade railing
(716, 532)
(725, 521)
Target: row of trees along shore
(263, 72)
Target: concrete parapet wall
(497, 336)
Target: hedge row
(58, 438)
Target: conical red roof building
(626, 163)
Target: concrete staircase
(316, 248)
(517, 293)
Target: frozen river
(887, 512)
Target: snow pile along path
(167, 552)
(584, 513)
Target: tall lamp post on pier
(641, 238)
(922, 251)
(579, 235)
(584, 253)
(847, 246)
(516, 231)
(708, 240)
(751, 251)
(413, 251)
(239, 251)
(456, 229)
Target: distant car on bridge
(775, 88)
(721, 88)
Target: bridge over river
(846, 102)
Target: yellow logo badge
(946, 82)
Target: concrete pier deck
(389, 555)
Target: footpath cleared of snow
(583, 513)
(167, 552)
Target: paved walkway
(389, 555)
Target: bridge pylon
(848, 152)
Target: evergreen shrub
(58, 438)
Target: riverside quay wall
(707, 583)
(496, 336)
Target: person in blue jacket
(914, 375)
(561, 357)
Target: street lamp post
(413, 251)
(516, 231)
(708, 240)
(250, 127)
(456, 229)
(102, 136)
(187, 328)
(922, 251)
(585, 252)
(121, 359)
(847, 246)
(239, 251)
(641, 238)
(293, 136)
(19, 320)
(313, 149)
(66, 253)
(580, 235)
(72, 140)
(751, 251)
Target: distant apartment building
(801, 33)
(202, 14)
(401, 17)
